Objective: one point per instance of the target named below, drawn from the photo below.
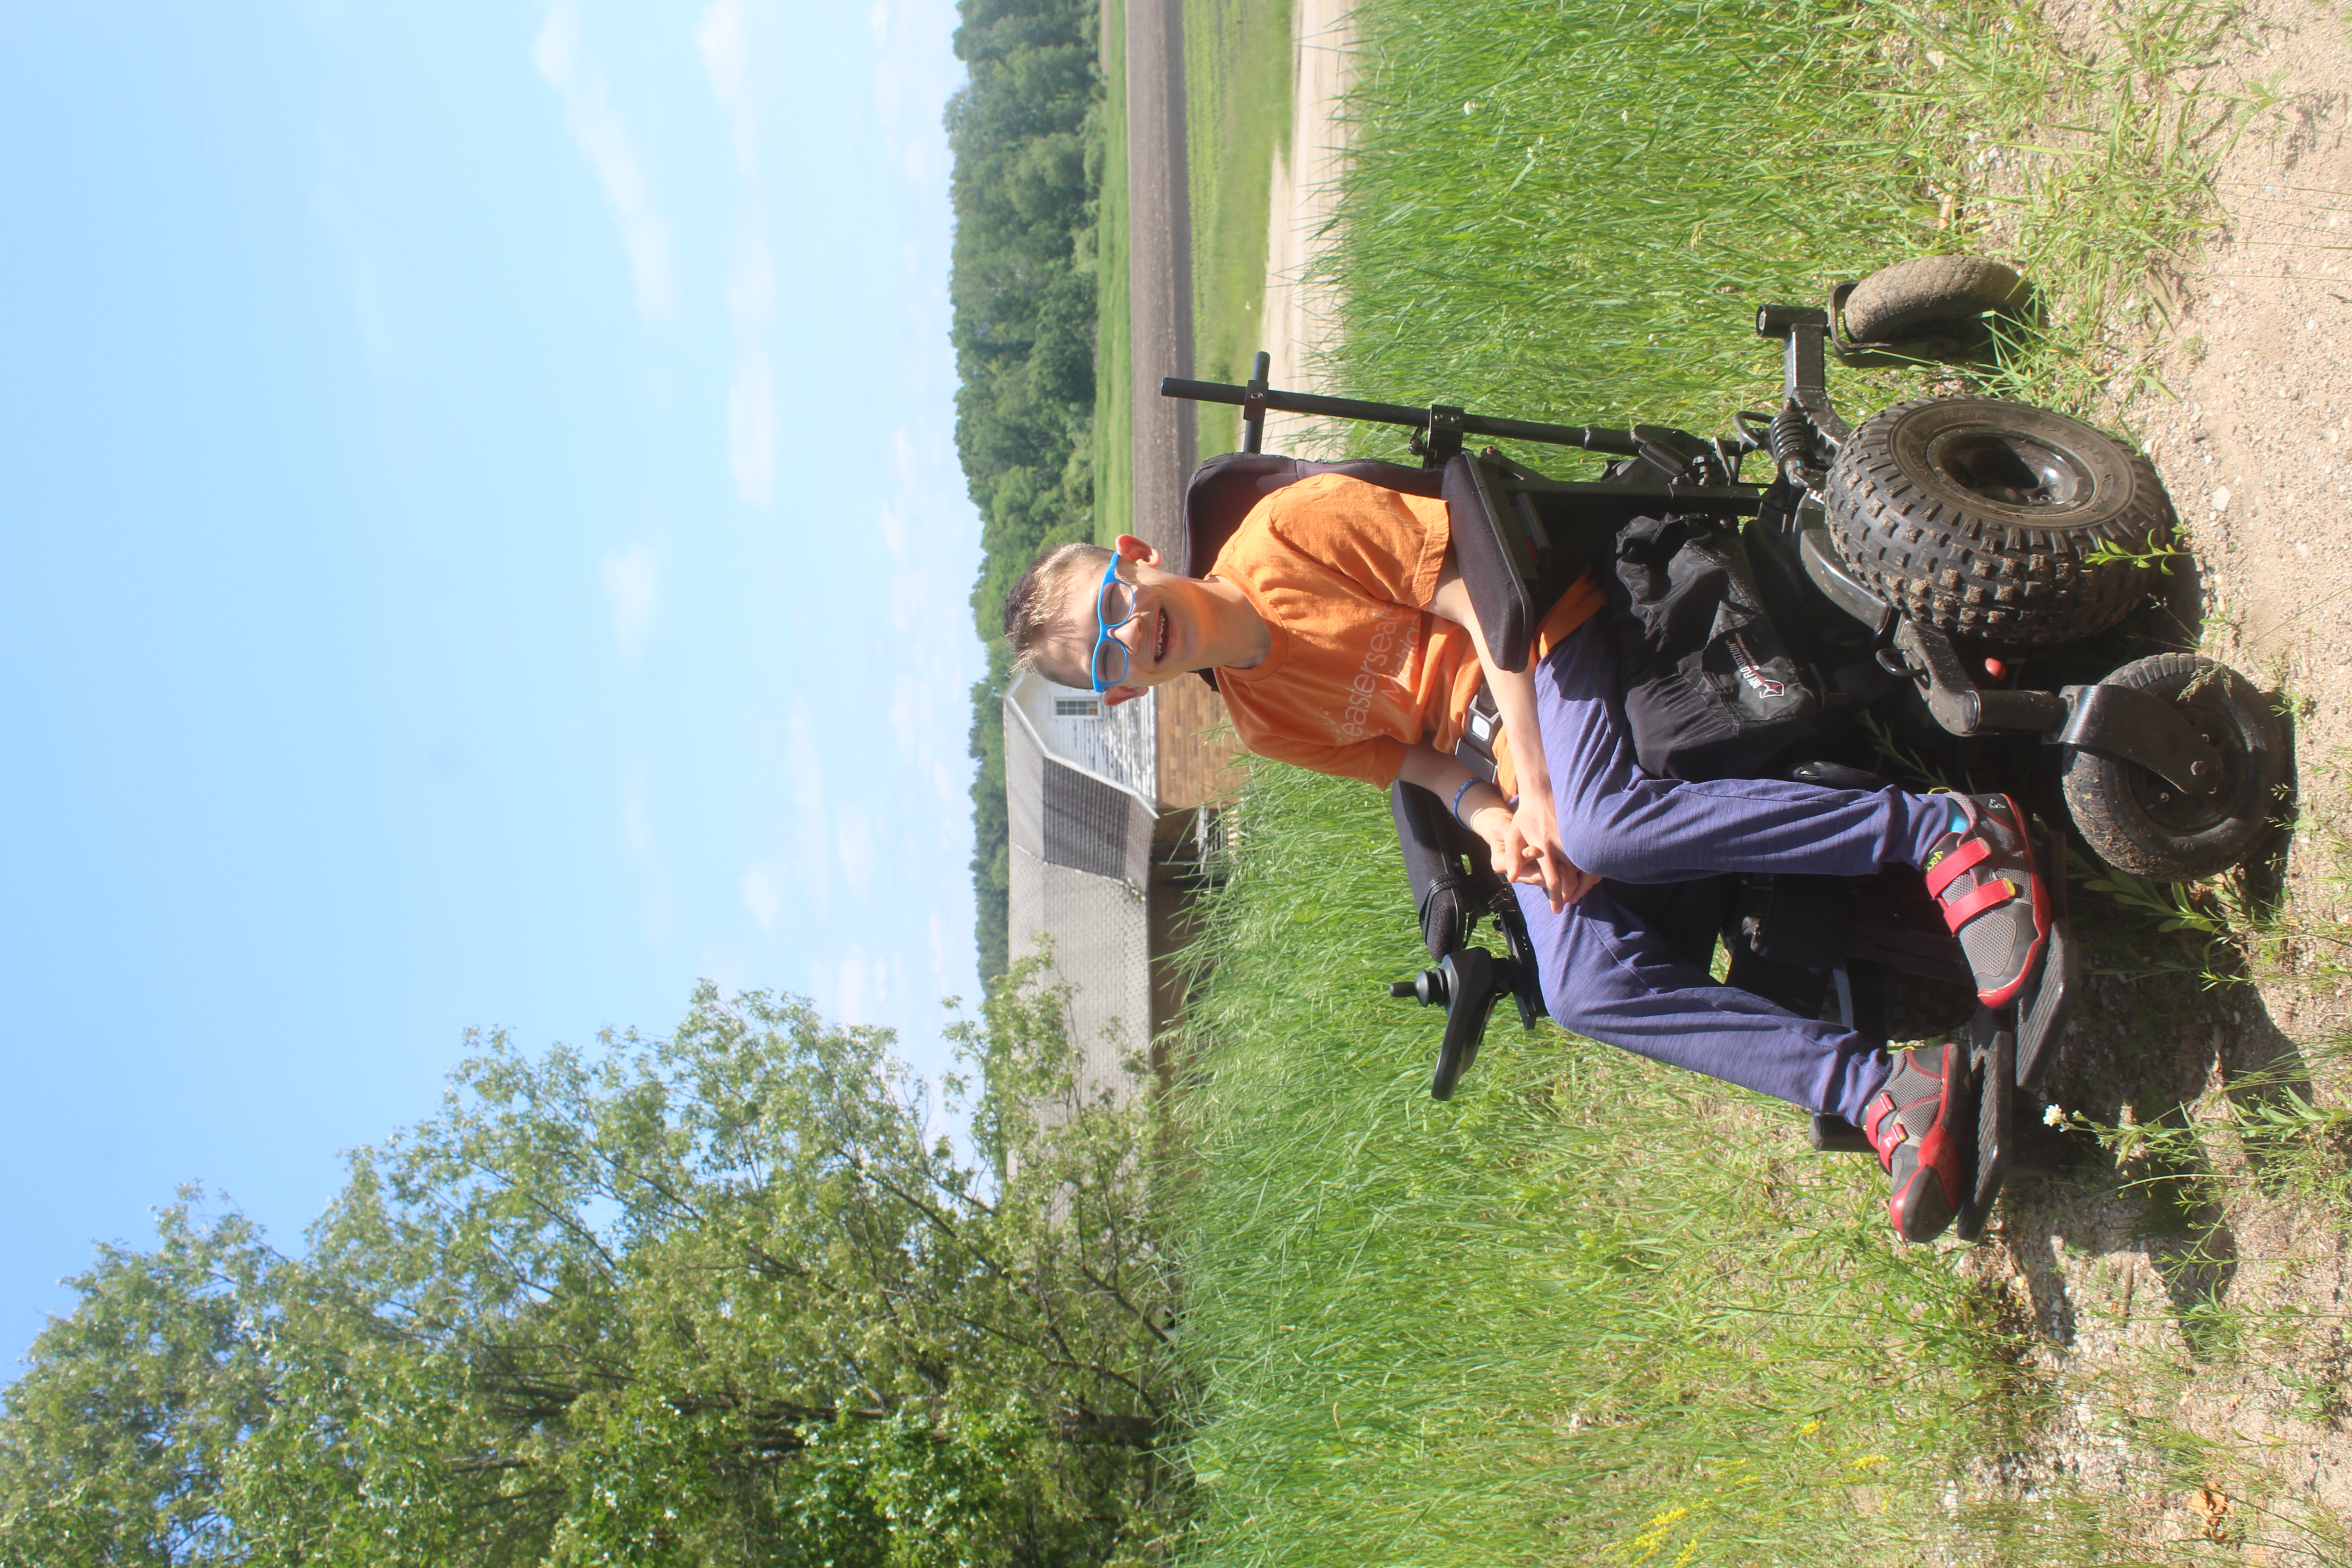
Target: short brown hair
(1041, 601)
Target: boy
(1343, 640)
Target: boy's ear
(1118, 694)
(1136, 550)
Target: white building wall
(1119, 745)
(1096, 919)
(1101, 949)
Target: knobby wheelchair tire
(1982, 518)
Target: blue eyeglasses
(1114, 608)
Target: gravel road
(1158, 264)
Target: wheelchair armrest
(1444, 862)
(1497, 562)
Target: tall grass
(1572, 210)
(1592, 1310)
(1237, 70)
(1589, 1310)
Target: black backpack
(1710, 693)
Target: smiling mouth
(1159, 646)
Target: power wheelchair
(1938, 588)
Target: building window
(1076, 708)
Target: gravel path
(1302, 319)
(1158, 265)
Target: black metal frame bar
(2131, 726)
(1434, 424)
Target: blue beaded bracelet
(1457, 799)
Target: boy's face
(1167, 636)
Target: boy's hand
(1533, 846)
(1527, 849)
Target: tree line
(720, 1297)
(1027, 135)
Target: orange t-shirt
(1356, 672)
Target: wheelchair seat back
(1223, 490)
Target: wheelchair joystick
(1428, 988)
(1465, 982)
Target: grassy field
(1237, 111)
(1237, 70)
(1114, 431)
(1575, 210)
(1592, 1311)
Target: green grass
(1595, 1311)
(1572, 211)
(1592, 1310)
(1237, 77)
(1114, 429)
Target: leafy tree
(722, 1296)
(115, 1443)
(991, 868)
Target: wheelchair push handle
(1436, 423)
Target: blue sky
(484, 548)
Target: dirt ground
(1300, 315)
(2225, 1320)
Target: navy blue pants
(1607, 975)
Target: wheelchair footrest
(1833, 1134)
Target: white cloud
(751, 427)
(762, 896)
(939, 934)
(724, 38)
(852, 841)
(728, 965)
(561, 54)
(349, 232)
(849, 989)
(919, 711)
(633, 597)
(728, 37)
(861, 881)
(916, 74)
(932, 536)
(375, 319)
(811, 874)
(660, 915)
(789, 888)
(751, 284)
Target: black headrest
(1223, 490)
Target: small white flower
(2052, 1116)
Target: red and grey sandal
(1981, 876)
(1914, 1124)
